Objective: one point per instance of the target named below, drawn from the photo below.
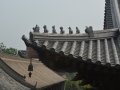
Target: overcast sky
(17, 17)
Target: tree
(12, 51)
(2, 47)
(5, 50)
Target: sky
(18, 17)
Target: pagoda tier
(112, 14)
(103, 47)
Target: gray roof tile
(103, 47)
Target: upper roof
(119, 4)
(103, 46)
(112, 14)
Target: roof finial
(77, 30)
(53, 29)
(61, 30)
(70, 30)
(36, 28)
(45, 29)
(89, 31)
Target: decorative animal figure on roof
(36, 28)
(77, 30)
(61, 30)
(89, 31)
(70, 30)
(53, 30)
(45, 29)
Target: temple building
(94, 55)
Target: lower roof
(41, 76)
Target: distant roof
(41, 76)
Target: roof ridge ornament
(45, 29)
(89, 31)
(77, 30)
(61, 30)
(70, 30)
(36, 28)
(53, 29)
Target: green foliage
(72, 85)
(12, 51)
(70, 76)
(5, 50)
(75, 85)
(87, 87)
(2, 47)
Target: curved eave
(79, 59)
(26, 41)
(43, 49)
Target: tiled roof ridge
(95, 31)
(90, 35)
(62, 31)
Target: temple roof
(42, 76)
(112, 14)
(102, 47)
(108, 19)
